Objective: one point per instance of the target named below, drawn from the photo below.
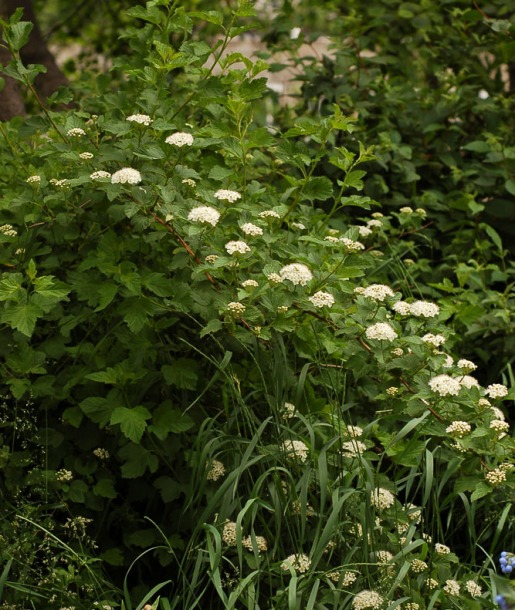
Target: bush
(214, 387)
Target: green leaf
(477, 146)
(137, 461)
(166, 419)
(107, 376)
(106, 293)
(132, 421)
(19, 34)
(158, 284)
(181, 374)
(482, 490)
(211, 327)
(22, 317)
(318, 188)
(11, 288)
(77, 491)
(98, 409)
(215, 17)
(105, 489)
(150, 14)
(136, 311)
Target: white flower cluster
(322, 299)
(226, 195)
(402, 308)
(126, 175)
(354, 431)
(383, 556)
(442, 549)
(434, 340)
(189, 182)
(63, 475)
(100, 175)
(216, 471)
(496, 390)
(378, 292)
(367, 599)
(452, 587)
(467, 381)
(431, 583)
(275, 278)
(179, 139)
(297, 273)
(229, 533)
(458, 429)
(251, 229)
(417, 566)
(500, 426)
(382, 498)
(101, 453)
(351, 245)
(424, 309)
(86, 155)
(473, 589)
(33, 179)
(236, 308)
(300, 563)
(268, 214)
(364, 231)
(496, 476)
(374, 223)
(467, 366)
(142, 119)
(8, 230)
(75, 132)
(381, 332)
(445, 385)
(261, 543)
(353, 448)
(249, 284)
(237, 247)
(205, 214)
(296, 451)
(298, 225)
(289, 410)
(406, 210)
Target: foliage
(218, 365)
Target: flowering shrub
(219, 382)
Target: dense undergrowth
(238, 354)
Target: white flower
(298, 225)
(63, 475)
(468, 382)
(86, 155)
(382, 498)
(189, 182)
(205, 214)
(142, 119)
(353, 448)
(367, 599)
(295, 450)
(364, 231)
(225, 195)
(211, 258)
(473, 588)
(100, 175)
(496, 476)
(468, 366)
(180, 138)
(422, 309)
(417, 565)
(126, 175)
(33, 179)
(297, 273)
(75, 132)
(378, 292)
(500, 426)
(381, 332)
(458, 429)
(442, 549)
(8, 230)
(268, 214)
(384, 556)
(249, 284)
(402, 308)
(300, 563)
(452, 587)
(289, 410)
(421, 212)
(237, 247)
(351, 245)
(374, 223)
(261, 543)
(496, 390)
(496, 411)
(250, 229)
(431, 583)
(332, 239)
(229, 533)
(434, 340)
(275, 278)
(236, 308)
(406, 210)
(354, 431)
(322, 299)
(445, 385)
(216, 469)
(101, 453)
(377, 215)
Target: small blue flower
(507, 562)
(499, 599)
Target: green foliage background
(119, 336)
